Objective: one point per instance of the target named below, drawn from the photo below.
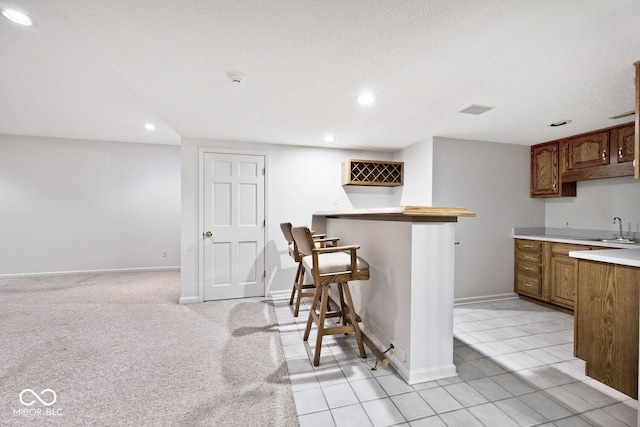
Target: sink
(616, 240)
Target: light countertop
(628, 257)
(576, 240)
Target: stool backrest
(286, 230)
(304, 239)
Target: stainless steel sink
(616, 240)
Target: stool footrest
(337, 330)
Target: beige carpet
(117, 349)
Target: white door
(234, 229)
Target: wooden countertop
(403, 213)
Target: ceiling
(100, 69)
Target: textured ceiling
(100, 69)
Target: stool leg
(314, 304)
(295, 283)
(300, 287)
(343, 314)
(354, 320)
(323, 312)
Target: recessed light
(367, 98)
(149, 126)
(560, 123)
(17, 17)
(329, 138)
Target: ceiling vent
(623, 115)
(476, 109)
(236, 77)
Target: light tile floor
(515, 368)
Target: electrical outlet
(567, 224)
(164, 254)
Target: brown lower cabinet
(546, 273)
(606, 323)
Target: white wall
(76, 205)
(300, 181)
(493, 181)
(417, 175)
(595, 205)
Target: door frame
(209, 150)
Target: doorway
(233, 212)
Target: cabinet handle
(555, 184)
(604, 155)
(620, 152)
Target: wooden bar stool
(336, 265)
(299, 286)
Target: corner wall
(300, 181)
(418, 170)
(492, 180)
(78, 205)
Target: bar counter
(408, 300)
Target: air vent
(623, 115)
(476, 110)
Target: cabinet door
(544, 170)
(623, 142)
(606, 323)
(563, 280)
(587, 151)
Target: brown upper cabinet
(556, 166)
(623, 141)
(586, 151)
(545, 172)
(636, 158)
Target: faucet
(620, 237)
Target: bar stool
(336, 265)
(299, 286)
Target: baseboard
(190, 300)
(279, 295)
(69, 273)
(484, 298)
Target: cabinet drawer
(529, 245)
(528, 268)
(527, 284)
(565, 248)
(528, 257)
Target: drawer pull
(604, 155)
(528, 268)
(620, 152)
(528, 285)
(527, 246)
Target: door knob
(207, 234)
